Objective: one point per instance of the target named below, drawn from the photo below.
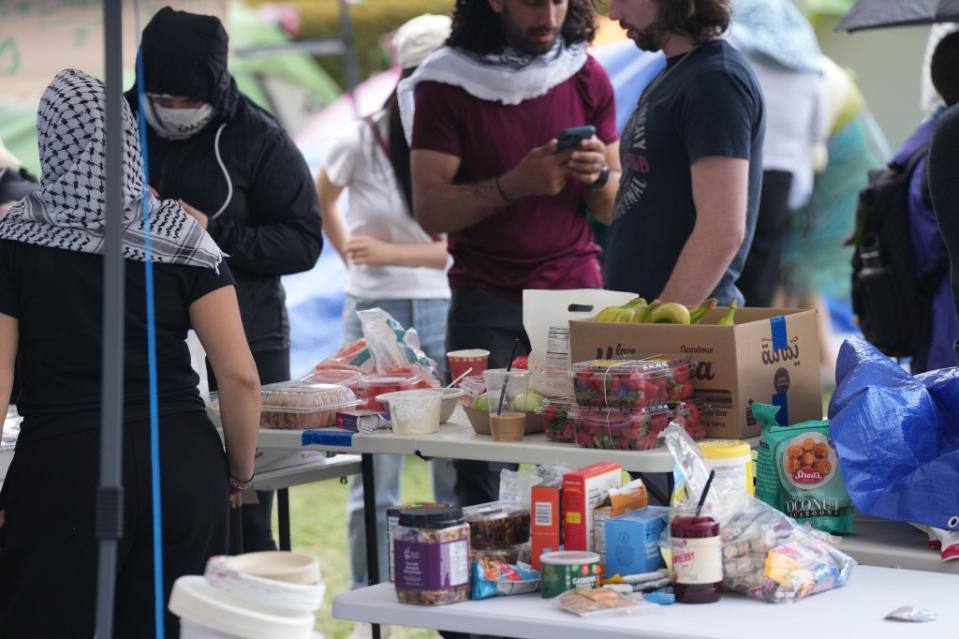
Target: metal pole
(369, 519)
(349, 54)
(109, 516)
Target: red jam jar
(697, 556)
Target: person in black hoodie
(239, 174)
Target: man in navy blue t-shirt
(692, 159)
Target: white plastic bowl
(414, 412)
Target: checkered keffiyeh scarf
(68, 211)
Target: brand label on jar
(431, 566)
(697, 561)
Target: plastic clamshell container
(614, 429)
(689, 413)
(497, 525)
(414, 412)
(298, 406)
(559, 419)
(631, 384)
(369, 387)
(342, 376)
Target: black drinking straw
(509, 367)
(702, 498)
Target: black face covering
(185, 54)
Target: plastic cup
(475, 358)
(510, 417)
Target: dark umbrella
(875, 14)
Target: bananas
(727, 319)
(637, 311)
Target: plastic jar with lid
(431, 547)
(732, 459)
(697, 556)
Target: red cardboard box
(583, 491)
(546, 530)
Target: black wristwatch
(602, 179)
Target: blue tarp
(897, 437)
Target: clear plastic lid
(497, 524)
(299, 397)
(620, 368)
(341, 376)
(689, 412)
(394, 382)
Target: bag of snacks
(395, 349)
(798, 472)
(353, 356)
(493, 578)
(767, 555)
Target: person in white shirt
(393, 264)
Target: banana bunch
(637, 311)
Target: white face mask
(177, 124)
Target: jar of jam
(697, 556)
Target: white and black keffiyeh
(509, 77)
(68, 211)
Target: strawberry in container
(368, 388)
(559, 419)
(614, 429)
(689, 414)
(677, 385)
(627, 385)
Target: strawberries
(522, 361)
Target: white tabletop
(855, 611)
(457, 440)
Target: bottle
(697, 556)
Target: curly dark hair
(702, 20)
(476, 27)
(945, 68)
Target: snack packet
(798, 472)
(598, 601)
(496, 578)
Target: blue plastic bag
(897, 437)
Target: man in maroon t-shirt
(486, 169)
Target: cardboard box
(769, 356)
(545, 528)
(632, 541)
(583, 491)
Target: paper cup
(475, 358)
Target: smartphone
(573, 136)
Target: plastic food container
(569, 570)
(732, 459)
(472, 387)
(689, 412)
(497, 525)
(511, 555)
(414, 412)
(342, 376)
(450, 399)
(241, 577)
(631, 384)
(298, 406)
(559, 419)
(613, 429)
(393, 520)
(431, 549)
(369, 387)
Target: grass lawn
(318, 526)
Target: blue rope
(158, 593)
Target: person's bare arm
(443, 207)
(216, 319)
(585, 165)
(9, 335)
(363, 249)
(720, 194)
(333, 223)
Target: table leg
(283, 517)
(236, 530)
(369, 519)
(655, 491)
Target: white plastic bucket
(207, 612)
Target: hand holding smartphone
(571, 137)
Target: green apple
(481, 402)
(527, 401)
